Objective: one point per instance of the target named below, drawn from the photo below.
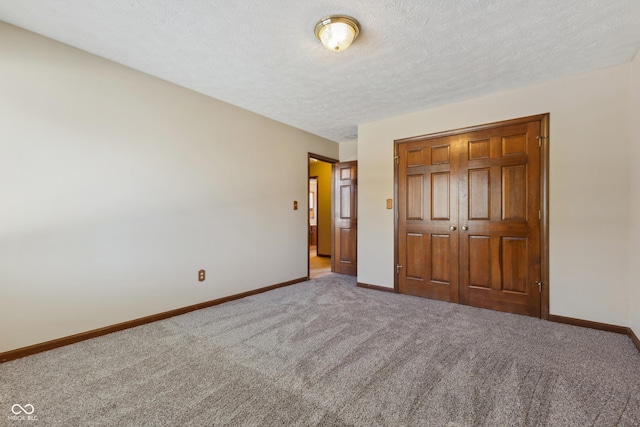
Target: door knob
(465, 228)
(452, 228)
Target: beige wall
(348, 151)
(590, 188)
(118, 187)
(323, 171)
(634, 226)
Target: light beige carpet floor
(326, 353)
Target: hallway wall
(323, 171)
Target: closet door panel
(427, 208)
(468, 227)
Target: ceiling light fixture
(337, 32)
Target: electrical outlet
(201, 276)
(389, 203)
(295, 205)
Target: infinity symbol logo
(27, 409)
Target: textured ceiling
(411, 54)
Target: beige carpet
(326, 353)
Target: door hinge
(540, 138)
(539, 286)
(539, 215)
(397, 158)
(398, 267)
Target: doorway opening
(320, 214)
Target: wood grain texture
(345, 218)
(426, 242)
(511, 188)
(597, 325)
(485, 126)
(415, 200)
(440, 258)
(415, 158)
(492, 188)
(589, 324)
(479, 149)
(415, 256)
(82, 336)
(440, 194)
(479, 194)
(375, 287)
(479, 261)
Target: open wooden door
(344, 259)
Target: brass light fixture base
(341, 20)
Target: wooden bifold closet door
(468, 217)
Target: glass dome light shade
(337, 32)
